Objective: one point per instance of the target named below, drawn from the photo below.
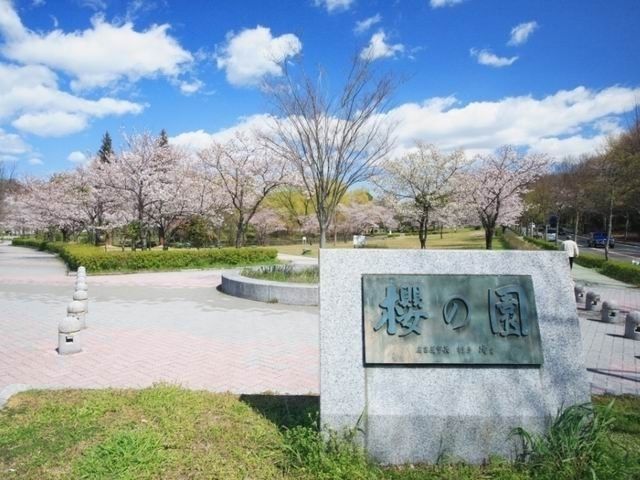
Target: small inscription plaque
(450, 319)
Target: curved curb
(267, 291)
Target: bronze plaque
(450, 319)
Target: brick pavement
(176, 327)
(613, 362)
(145, 328)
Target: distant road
(623, 251)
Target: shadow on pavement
(616, 373)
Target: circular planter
(267, 291)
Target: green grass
(284, 273)
(462, 239)
(172, 433)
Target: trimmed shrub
(96, 259)
(590, 261)
(543, 244)
(512, 241)
(621, 271)
(615, 269)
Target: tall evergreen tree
(106, 149)
(164, 138)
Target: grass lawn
(461, 239)
(171, 433)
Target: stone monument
(436, 354)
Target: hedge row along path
(145, 328)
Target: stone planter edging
(267, 291)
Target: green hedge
(96, 259)
(512, 241)
(590, 261)
(615, 269)
(543, 244)
(621, 271)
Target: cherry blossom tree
(359, 218)
(54, 205)
(142, 175)
(494, 188)
(246, 171)
(424, 180)
(7, 185)
(266, 221)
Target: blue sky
(550, 76)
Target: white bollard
(82, 271)
(76, 309)
(81, 286)
(82, 296)
(68, 336)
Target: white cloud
(37, 3)
(379, 48)
(520, 33)
(10, 24)
(12, 144)
(444, 3)
(364, 25)
(568, 122)
(199, 139)
(96, 5)
(31, 94)
(334, 5)
(486, 57)
(35, 161)
(98, 56)
(77, 157)
(559, 124)
(51, 124)
(189, 88)
(253, 53)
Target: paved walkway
(613, 361)
(145, 328)
(176, 327)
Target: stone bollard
(81, 285)
(82, 296)
(578, 291)
(592, 300)
(76, 309)
(632, 326)
(610, 312)
(68, 336)
(82, 271)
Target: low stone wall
(266, 291)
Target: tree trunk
(323, 237)
(575, 227)
(609, 222)
(240, 234)
(626, 225)
(488, 237)
(161, 237)
(422, 233)
(423, 229)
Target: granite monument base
(425, 413)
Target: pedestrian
(571, 249)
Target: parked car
(599, 239)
